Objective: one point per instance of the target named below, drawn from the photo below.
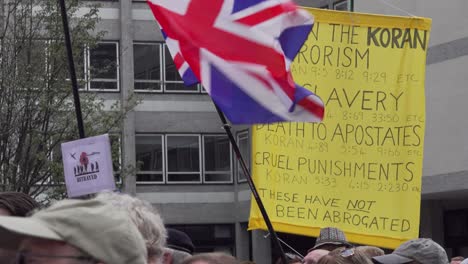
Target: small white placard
(88, 165)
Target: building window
(183, 159)
(55, 156)
(342, 6)
(81, 68)
(103, 67)
(456, 230)
(147, 67)
(217, 159)
(155, 70)
(210, 238)
(172, 80)
(116, 152)
(244, 147)
(32, 62)
(149, 158)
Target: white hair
(145, 217)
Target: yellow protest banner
(361, 168)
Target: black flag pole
(71, 66)
(246, 171)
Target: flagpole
(255, 194)
(71, 66)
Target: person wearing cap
(74, 232)
(145, 217)
(330, 238)
(416, 251)
(14, 204)
(179, 247)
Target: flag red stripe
(266, 14)
(312, 107)
(222, 43)
(178, 60)
(263, 80)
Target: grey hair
(145, 217)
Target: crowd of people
(332, 247)
(115, 228)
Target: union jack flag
(241, 51)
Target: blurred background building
(186, 166)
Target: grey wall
(446, 145)
(445, 172)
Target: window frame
(346, 3)
(88, 76)
(217, 172)
(200, 165)
(85, 71)
(161, 81)
(163, 172)
(164, 81)
(244, 134)
(45, 53)
(117, 174)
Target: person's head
(421, 250)
(179, 240)
(315, 255)
(16, 204)
(371, 251)
(75, 232)
(179, 247)
(345, 256)
(456, 260)
(211, 258)
(174, 256)
(330, 238)
(145, 217)
(38, 250)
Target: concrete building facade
(445, 173)
(187, 169)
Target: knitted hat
(331, 235)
